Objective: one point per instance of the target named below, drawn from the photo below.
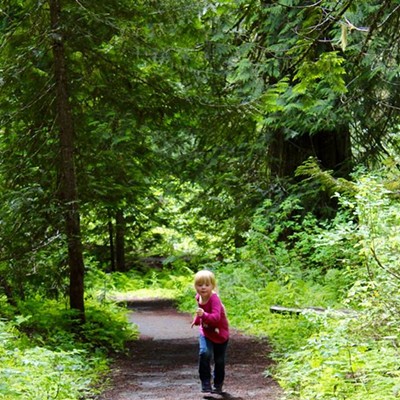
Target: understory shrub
(45, 354)
(169, 281)
(341, 362)
(49, 323)
(36, 373)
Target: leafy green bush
(45, 354)
(35, 373)
(49, 323)
(339, 362)
(107, 326)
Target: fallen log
(318, 310)
(292, 310)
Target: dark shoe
(206, 387)
(217, 389)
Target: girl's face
(204, 289)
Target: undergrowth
(45, 355)
(346, 266)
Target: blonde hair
(205, 276)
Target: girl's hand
(199, 312)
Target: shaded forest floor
(162, 364)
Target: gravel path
(162, 364)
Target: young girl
(214, 331)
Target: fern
(312, 169)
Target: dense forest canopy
(182, 132)
(106, 107)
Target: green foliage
(102, 285)
(340, 361)
(46, 354)
(49, 323)
(169, 282)
(176, 116)
(35, 373)
(107, 327)
(32, 256)
(7, 311)
(349, 261)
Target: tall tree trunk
(68, 192)
(120, 241)
(331, 148)
(111, 242)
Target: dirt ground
(162, 364)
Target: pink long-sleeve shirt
(214, 323)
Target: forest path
(162, 364)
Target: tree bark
(68, 185)
(120, 241)
(331, 148)
(111, 242)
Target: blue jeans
(208, 351)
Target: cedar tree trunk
(111, 242)
(331, 148)
(68, 193)
(120, 240)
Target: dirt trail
(162, 364)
